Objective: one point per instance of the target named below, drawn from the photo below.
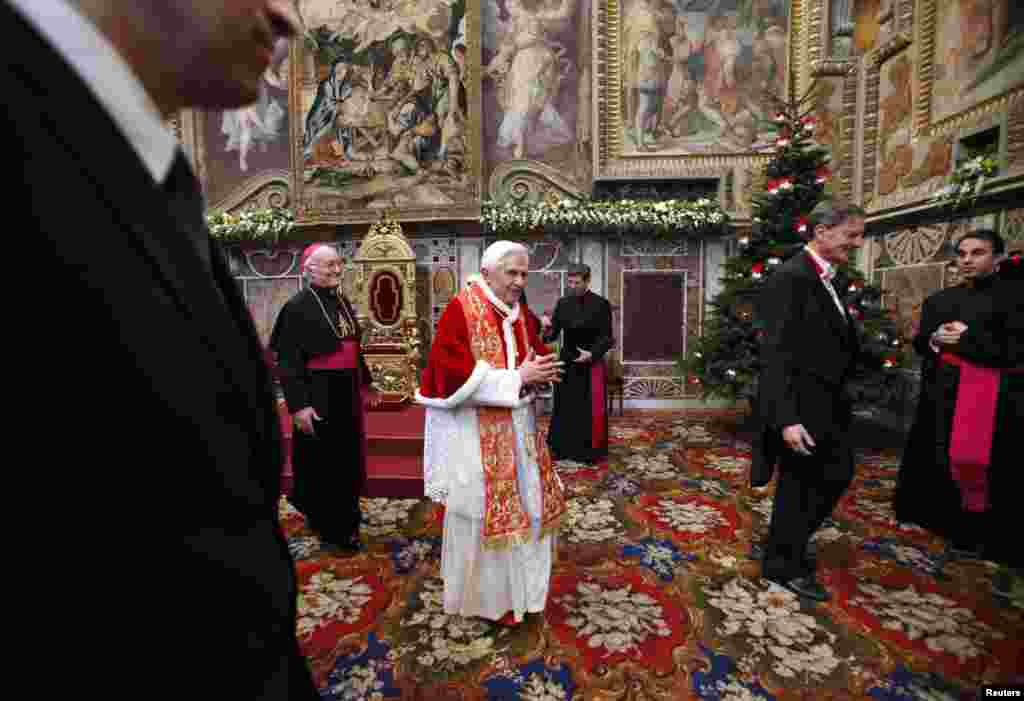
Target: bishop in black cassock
(579, 421)
(321, 366)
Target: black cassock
(926, 493)
(579, 424)
(329, 466)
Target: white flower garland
(668, 216)
(251, 225)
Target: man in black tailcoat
(808, 353)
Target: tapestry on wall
(388, 115)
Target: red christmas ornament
(822, 174)
(801, 225)
(757, 267)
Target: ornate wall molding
(1015, 135)
(869, 132)
(268, 189)
(682, 167)
(814, 37)
(925, 59)
(848, 133)
(889, 48)
(833, 68)
(520, 180)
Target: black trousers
(809, 487)
(330, 466)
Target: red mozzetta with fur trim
(451, 358)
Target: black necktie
(185, 203)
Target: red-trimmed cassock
(320, 364)
(579, 419)
(484, 461)
(957, 477)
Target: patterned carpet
(653, 597)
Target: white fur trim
(467, 390)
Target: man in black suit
(808, 352)
(153, 449)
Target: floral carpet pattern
(653, 595)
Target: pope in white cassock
(483, 458)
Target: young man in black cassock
(326, 382)
(579, 420)
(971, 339)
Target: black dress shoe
(757, 553)
(347, 546)
(964, 553)
(807, 587)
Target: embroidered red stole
(506, 522)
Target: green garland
(967, 181)
(264, 225)
(511, 219)
(665, 217)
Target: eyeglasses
(330, 266)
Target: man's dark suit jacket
(807, 353)
(150, 447)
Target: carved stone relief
(530, 182)
(915, 245)
(267, 191)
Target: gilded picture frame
(387, 112)
(619, 47)
(993, 78)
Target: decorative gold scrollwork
(391, 345)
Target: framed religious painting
(684, 88)
(971, 61)
(386, 103)
(242, 156)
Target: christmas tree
(723, 362)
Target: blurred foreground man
(152, 428)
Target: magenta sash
(599, 404)
(346, 357)
(974, 418)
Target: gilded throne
(385, 293)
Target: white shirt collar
(108, 76)
(827, 269)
